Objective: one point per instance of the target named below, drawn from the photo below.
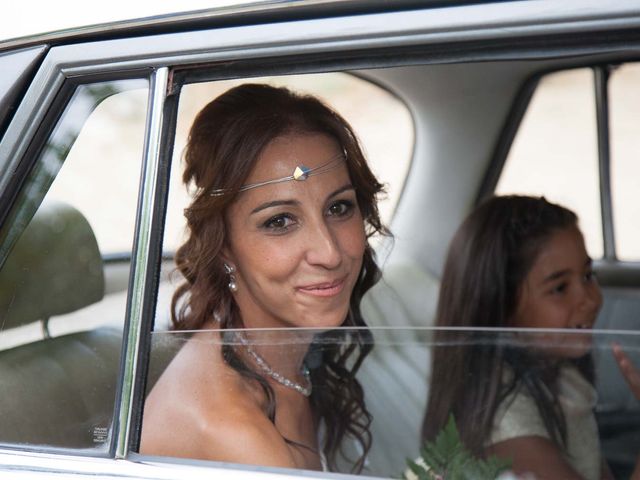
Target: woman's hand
(630, 372)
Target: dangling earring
(230, 269)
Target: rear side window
(624, 108)
(555, 152)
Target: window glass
(404, 369)
(63, 305)
(624, 105)
(555, 151)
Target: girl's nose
(322, 247)
(591, 298)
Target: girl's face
(560, 291)
(297, 246)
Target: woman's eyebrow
(279, 203)
(344, 188)
(275, 203)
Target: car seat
(56, 392)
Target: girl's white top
(518, 416)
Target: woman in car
(278, 232)
(521, 262)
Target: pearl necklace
(278, 377)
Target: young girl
(520, 262)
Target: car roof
(261, 11)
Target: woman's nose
(323, 247)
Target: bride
(278, 229)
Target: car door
(459, 69)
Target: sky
(21, 18)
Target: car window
(555, 146)
(371, 110)
(62, 303)
(624, 103)
(397, 374)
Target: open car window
(370, 109)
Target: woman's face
(297, 246)
(560, 291)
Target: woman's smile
(323, 289)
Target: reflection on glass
(397, 379)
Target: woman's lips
(325, 289)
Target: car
(454, 101)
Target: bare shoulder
(200, 408)
(246, 436)
(537, 455)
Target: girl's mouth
(583, 326)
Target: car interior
(465, 116)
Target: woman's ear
(227, 256)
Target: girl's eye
(590, 276)
(279, 223)
(560, 288)
(341, 208)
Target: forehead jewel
(299, 174)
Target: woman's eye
(341, 208)
(590, 276)
(279, 223)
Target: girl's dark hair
(489, 257)
(225, 142)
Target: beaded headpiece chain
(300, 173)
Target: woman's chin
(324, 320)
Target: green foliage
(446, 458)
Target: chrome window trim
(44, 465)
(140, 265)
(601, 95)
(18, 68)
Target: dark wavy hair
(488, 259)
(225, 141)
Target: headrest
(54, 268)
